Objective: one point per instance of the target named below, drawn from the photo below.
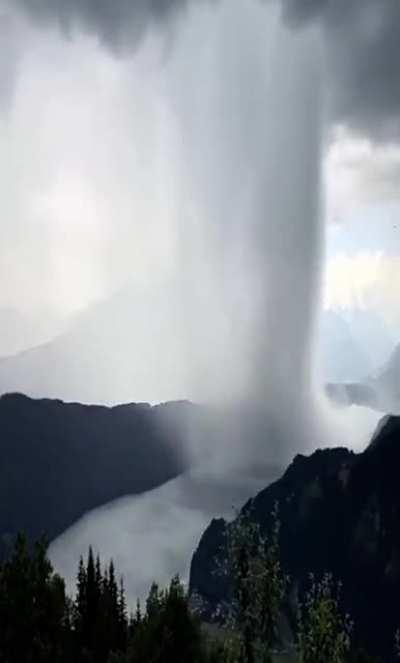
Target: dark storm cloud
(302, 10)
(119, 23)
(362, 40)
(362, 45)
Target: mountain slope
(19, 331)
(340, 513)
(119, 350)
(136, 345)
(59, 460)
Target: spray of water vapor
(251, 127)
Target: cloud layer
(362, 44)
(119, 23)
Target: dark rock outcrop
(339, 513)
(59, 460)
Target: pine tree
(154, 601)
(100, 620)
(33, 607)
(81, 601)
(138, 614)
(98, 573)
(111, 609)
(168, 632)
(89, 608)
(122, 621)
(92, 589)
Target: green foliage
(100, 618)
(34, 614)
(259, 586)
(167, 632)
(40, 624)
(323, 632)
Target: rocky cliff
(339, 513)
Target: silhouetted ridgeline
(339, 513)
(59, 460)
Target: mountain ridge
(93, 454)
(339, 513)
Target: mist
(250, 125)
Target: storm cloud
(363, 52)
(120, 24)
(362, 40)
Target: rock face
(339, 513)
(59, 460)
(142, 329)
